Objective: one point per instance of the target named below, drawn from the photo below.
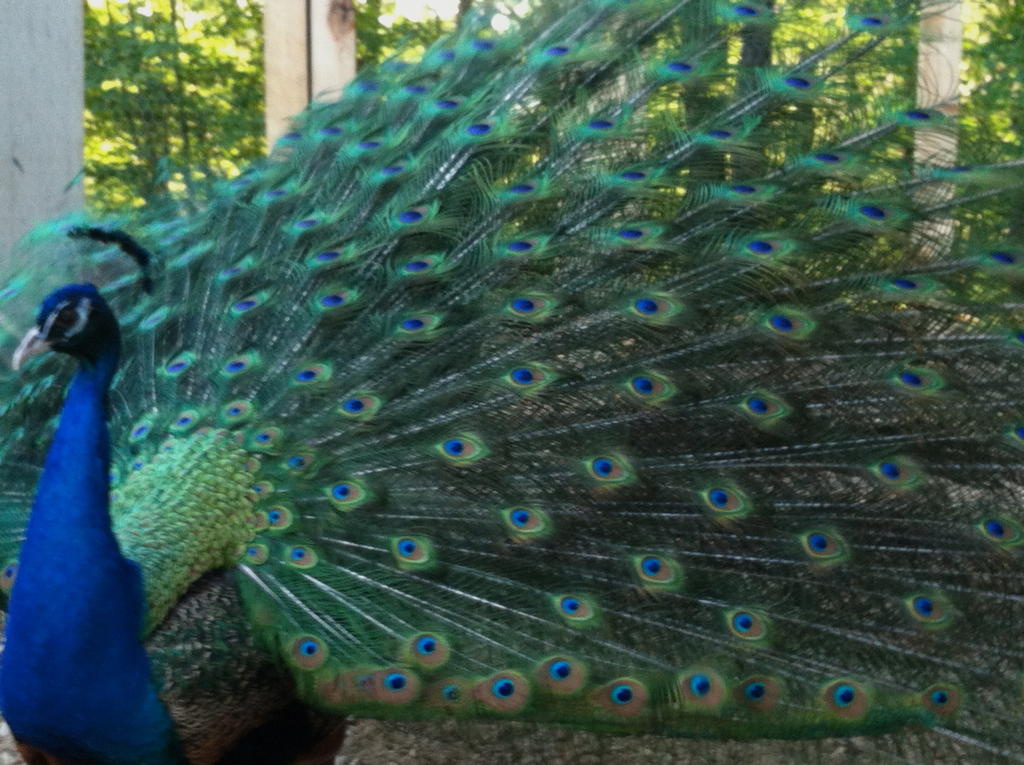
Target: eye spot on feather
(346, 495)
(897, 472)
(918, 380)
(451, 693)
(300, 556)
(414, 215)
(918, 115)
(179, 364)
(1000, 531)
(236, 412)
(525, 523)
(871, 22)
(576, 610)
(824, 547)
(155, 319)
(394, 685)
(280, 518)
(330, 131)
(557, 51)
(758, 693)
(746, 625)
(530, 307)
(561, 675)
(522, 188)
(266, 440)
(657, 572)
(184, 421)
(368, 145)
(462, 449)
(7, 577)
(521, 245)
(942, 700)
(610, 470)
(701, 688)
(651, 388)
(239, 364)
(298, 463)
(332, 300)
(656, 308)
(361, 406)
(764, 408)
(307, 652)
(747, 12)
(600, 124)
(314, 373)
(726, 502)
(140, 431)
(798, 83)
(263, 488)
(528, 379)
(845, 699)
(873, 212)
(257, 554)
(503, 692)
(418, 325)
(928, 610)
(789, 324)
(446, 104)
(427, 650)
(624, 697)
(413, 553)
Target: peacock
(583, 373)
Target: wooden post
(333, 40)
(938, 80)
(938, 84)
(42, 97)
(309, 51)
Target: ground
(370, 742)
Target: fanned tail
(589, 378)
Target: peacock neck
(78, 463)
(75, 680)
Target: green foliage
(377, 41)
(174, 93)
(174, 90)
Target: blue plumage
(75, 622)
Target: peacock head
(75, 320)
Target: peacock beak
(32, 344)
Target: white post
(42, 97)
(938, 84)
(309, 49)
(332, 33)
(938, 79)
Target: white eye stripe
(82, 309)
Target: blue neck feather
(75, 679)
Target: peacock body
(576, 374)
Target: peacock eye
(65, 319)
